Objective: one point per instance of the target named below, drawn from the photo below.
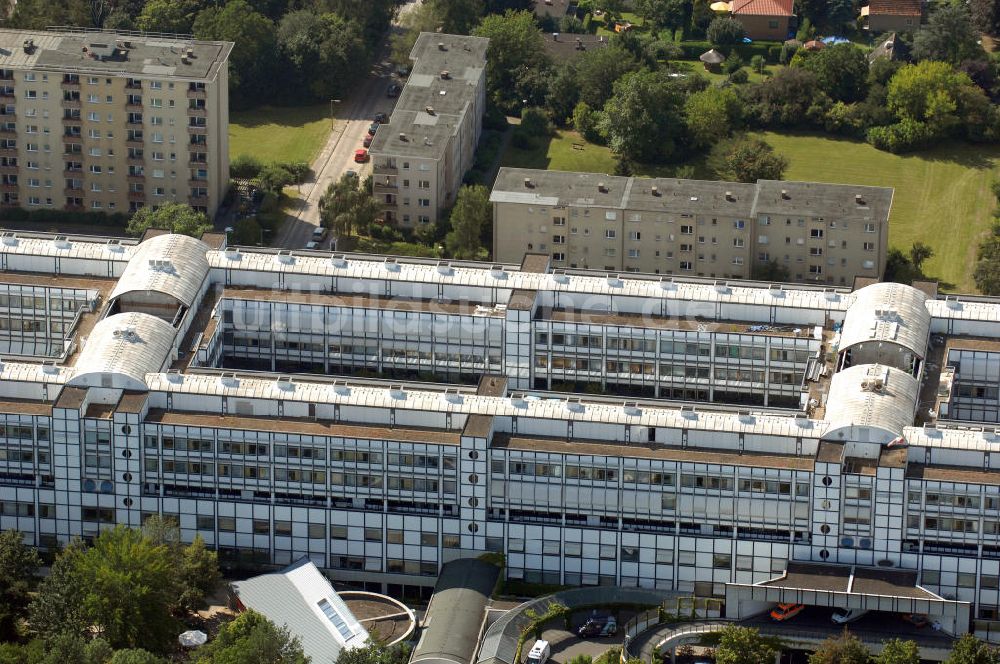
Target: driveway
(353, 115)
(567, 645)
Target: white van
(539, 653)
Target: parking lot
(567, 645)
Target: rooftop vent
(784, 195)
(429, 109)
(427, 140)
(560, 277)
(445, 74)
(517, 400)
(397, 392)
(746, 417)
(50, 367)
(497, 272)
(859, 199)
(575, 406)
(444, 268)
(689, 413)
(174, 376)
(721, 287)
(631, 408)
(29, 46)
(229, 380)
(729, 196)
(189, 52)
(453, 396)
(338, 260)
(667, 284)
(654, 190)
(185, 60)
(284, 383)
(9, 239)
(341, 388)
(232, 253)
(528, 184)
(442, 47)
(601, 187)
(285, 256)
(391, 265)
(614, 280)
(61, 242)
(115, 245)
(831, 295)
(402, 137)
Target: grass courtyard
(942, 196)
(270, 133)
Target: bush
(299, 170)
(733, 63)
(245, 167)
(692, 50)
(571, 25)
(739, 77)
(535, 122)
(588, 19)
(903, 136)
(725, 31)
(521, 141)
(118, 219)
(587, 121)
(494, 118)
(757, 64)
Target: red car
(360, 156)
(786, 611)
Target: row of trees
(745, 645)
(284, 49)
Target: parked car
(598, 626)
(786, 611)
(312, 244)
(381, 118)
(319, 234)
(393, 90)
(539, 653)
(844, 616)
(368, 141)
(916, 619)
(353, 174)
(372, 128)
(360, 156)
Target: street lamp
(228, 230)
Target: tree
(251, 67)
(563, 93)
(790, 98)
(725, 31)
(323, 51)
(135, 656)
(457, 17)
(18, 565)
(175, 16)
(757, 63)
(130, 584)
(744, 159)
(273, 178)
(471, 214)
(373, 652)
(710, 115)
(245, 167)
(898, 651)
(174, 217)
(598, 70)
(985, 15)
(198, 574)
(843, 649)
(663, 14)
(56, 607)
(743, 645)
(643, 118)
(948, 35)
(969, 649)
(347, 207)
(841, 71)
(919, 252)
(770, 271)
(420, 19)
(252, 639)
(40, 14)
(515, 45)
(934, 94)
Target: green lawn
(942, 196)
(278, 133)
(692, 67)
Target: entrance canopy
(846, 587)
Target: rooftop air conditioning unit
(631, 408)
(341, 388)
(445, 75)
(284, 383)
(528, 184)
(285, 257)
(654, 190)
(429, 109)
(228, 379)
(61, 242)
(391, 265)
(397, 392)
(442, 47)
(9, 239)
(602, 188)
(402, 137)
(338, 260)
(560, 277)
(784, 194)
(452, 396)
(614, 280)
(444, 268)
(497, 272)
(729, 196)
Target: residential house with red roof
(892, 15)
(765, 19)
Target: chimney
(441, 46)
(555, 36)
(729, 196)
(784, 195)
(190, 52)
(859, 199)
(654, 190)
(402, 137)
(528, 183)
(429, 109)
(445, 74)
(601, 188)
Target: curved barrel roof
(889, 312)
(124, 347)
(171, 264)
(880, 398)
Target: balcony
(139, 196)
(8, 151)
(197, 130)
(9, 169)
(73, 207)
(135, 177)
(132, 106)
(134, 160)
(134, 142)
(8, 186)
(73, 191)
(71, 121)
(385, 187)
(198, 200)
(197, 112)
(7, 95)
(197, 162)
(198, 182)
(73, 172)
(73, 140)
(196, 94)
(385, 169)
(70, 85)
(7, 132)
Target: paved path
(352, 118)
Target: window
(338, 532)
(334, 617)
(739, 224)
(610, 234)
(869, 228)
(738, 242)
(869, 246)
(816, 233)
(635, 235)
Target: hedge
(770, 51)
(118, 219)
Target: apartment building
(420, 157)
(111, 122)
(823, 233)
(182, 377)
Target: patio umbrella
(833, 41)
(192, 638)
(719, 6)
(712, 57)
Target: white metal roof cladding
(125, 348)
(984, 439)
(484, 276)
(889, 312)
(68, 247)
(291, 598)
(887, 403)
(956, 308)
(557, 409)
(172, 264)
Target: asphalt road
(352, 116)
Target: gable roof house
(765, 19)
(892, 15)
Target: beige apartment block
(822, 233)
(112, 122)
(420, 156)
